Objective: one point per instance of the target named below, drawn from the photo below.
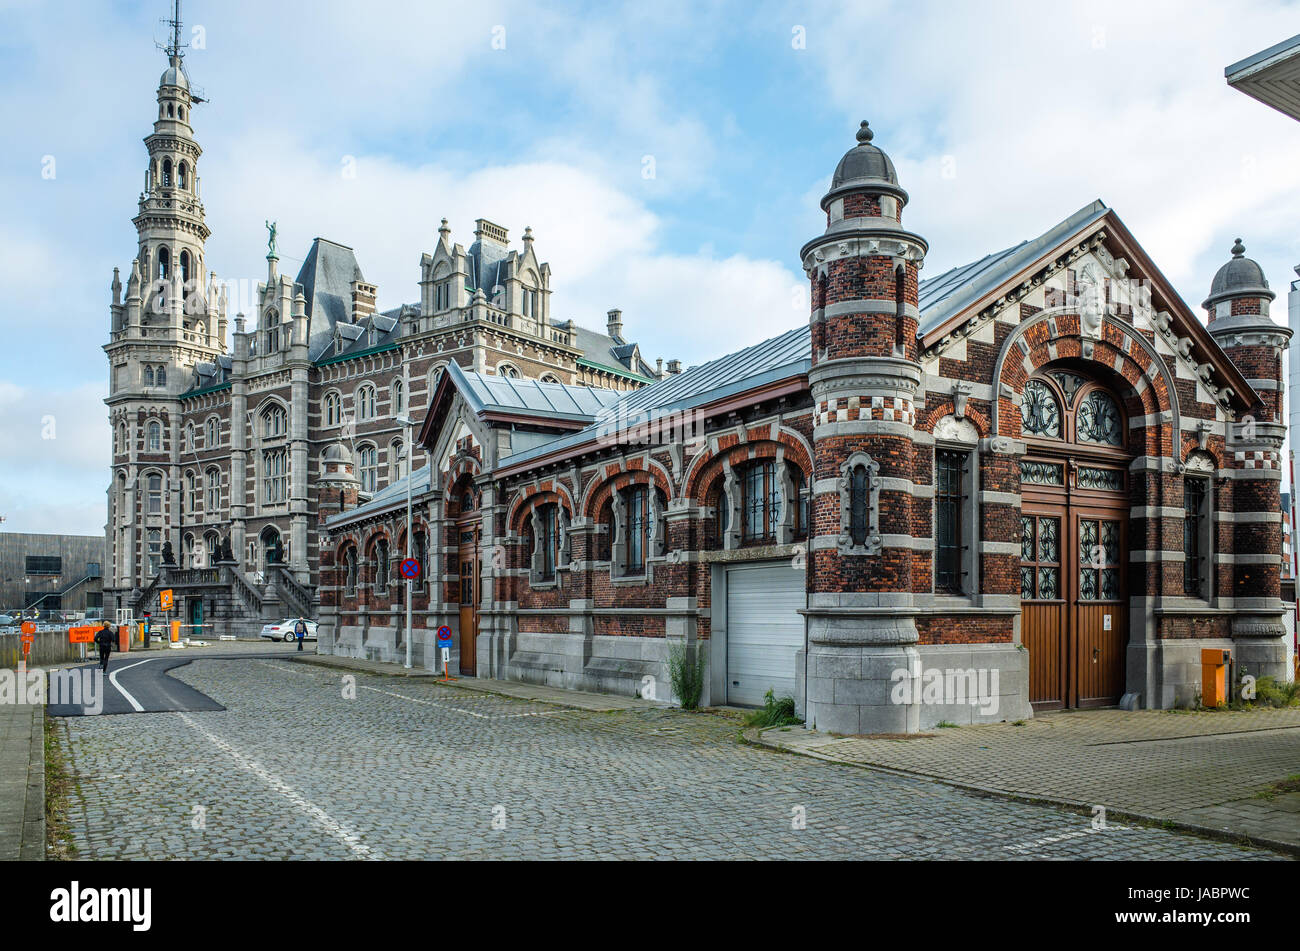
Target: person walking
(105, 639)
(300, 631)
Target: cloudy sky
(668, 160)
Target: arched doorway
(271, 549)
(464, 509)
(1074, 539)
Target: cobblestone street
(411, 769)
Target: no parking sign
(444, 647)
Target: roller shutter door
(764, 631)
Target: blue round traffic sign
(410, 568)
(444, 636)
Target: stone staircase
(233, 604)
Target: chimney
(659, 367)
(616, 324)
(674, 366)
(485, 230)
(363, 300)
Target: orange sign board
(28, 627)
(82, 635)
(165, 599)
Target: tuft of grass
(58, 784)
(686, 673)
(1018, 723)
(946, 725)
(1289, 785)
(1269, 691)
(774, 712)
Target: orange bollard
(176, 631)
(1214, 677)
(123, 637)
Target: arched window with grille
(859, 487)
(153, 494)
(366, 402)
(381, 565)
(212, 480)
(333, 409)
(274, 422)
(212, 435)
(154, 438)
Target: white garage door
(764, 631)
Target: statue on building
(168, 555)
(272, 250)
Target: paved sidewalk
(1204, 772)
(22, 782)
(574, 699)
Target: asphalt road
(134, 684)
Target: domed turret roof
(174, 75)
(1240, 277)
(864, 163)
(336, 453)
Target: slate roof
(486, 393)
(608, 351)
(778, 358)
(947, 293)
(387, 497)
(326, 277)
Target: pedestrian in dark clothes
(104, 639)
(300, 631)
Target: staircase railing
(245, 591)
(297, 595)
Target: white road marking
(315, 813)
(112, 678)
(431, 703)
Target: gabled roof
(605, 351)
(786, 356)
(946, 294)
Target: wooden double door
(470, 595)
(1074, 602)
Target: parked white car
(284, 630)
(7, 620)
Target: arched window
(160, 376)
(274, 422)
(1098, 420)
(549, 378)
(211, 547)
(1198, 535)
(761, 502)
(275, 476)
(1040, 412)
(333, 409)
(180, 113)
(381, 565)
(148, 376)
(859, 505)
(368, 460)
(164, 264)
(122, 444)
(189, 437)
(212, 436)
(185, 270)
(181, 177)
(191, 490)
(434, 373)
(350, 570)
(398, 391)
(508, 371)
(422, 556)
(187, 551)
(153, 495)
(167, 166)
(154, 440)
(212, 478)
(366, 402)
(153, 550)
(396, 463)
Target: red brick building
(1038, 481)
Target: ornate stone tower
(1239, 321)
(865, 376)
(171, 319)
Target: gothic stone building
(1038, 481)
(212, 444)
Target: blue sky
(1002, 119)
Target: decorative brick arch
(603, 487)
(619, 474)
(461, 464)
(529, 496)
(947, 408)
(700, 473)
(1052, 335)
(1213, 448)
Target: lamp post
(408, 423)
